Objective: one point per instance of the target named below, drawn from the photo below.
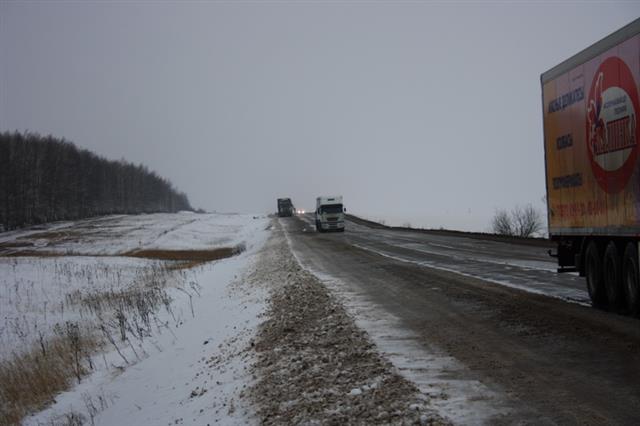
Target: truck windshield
(331, 208)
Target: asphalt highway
(488, 329)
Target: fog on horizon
(426, 113)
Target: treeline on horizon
(44, 179)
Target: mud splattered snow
(315, 366)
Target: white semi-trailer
(330, 214)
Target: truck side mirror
(345, 209)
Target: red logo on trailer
(612, 132)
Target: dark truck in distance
(590, 105)
(285, 207)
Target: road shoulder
(315, 365)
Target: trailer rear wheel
(593, 273)
(630, 284)
(612, 274)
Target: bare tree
(521, 222)
(501, 223)
(526, 221)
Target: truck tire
(593, 273)
(612, 276)
(630, 284)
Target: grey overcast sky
(421, 112)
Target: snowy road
(525, 267)
(488, 325)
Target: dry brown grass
(29, 381)
(32, 253)
(53, 236)
(15, 244)
(186, 258)
(189, 258)
(186, 255)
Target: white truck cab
(330, 214)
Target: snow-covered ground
(112, 235)
(192, 373)
(183, 327)
(38, 293)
